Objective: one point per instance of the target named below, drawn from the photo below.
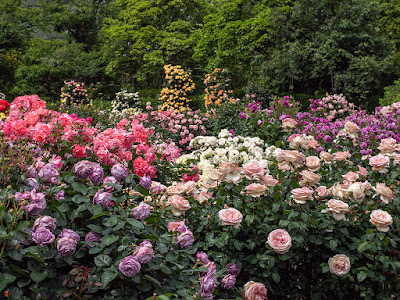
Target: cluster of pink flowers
(332, 106)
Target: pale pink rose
(252, 170)
(356, 191)
(177, 189)
(230, 216)
(179, 205)
(341, 155)
(339, 264)
(313, 144)
(176, 226)
(289, 124)
(313, 163)
(381, 219)
(295, 157)
(255, 189)
(396, 158)
(280, 241)
(338, 207)
(299, 142)
(351, 176)
(380, 163)
(203, 196)
(255, 291)
(338, 190)
(310, 177)
(385, 192)
(268, 180)
(322, 191)
(387, 145)
(190, 186)
(215, 175)
(326, 156)
(351, 128)
(228, 167)
(362, 171)
(285, 166)
(301, 195)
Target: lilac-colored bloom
(119, 171)
(83, 169)
(49, 174)
(232, 268)
(69, 233)
(97, 175)
(31, 172)
(109, 179)
(92, 237)
(66, 246)
(101, 198)
(202, 257)
(207, 286)
(60, 195)
(43, 236)
(228, 281)
(145, 182)
(37, 203)
(185, 239)
(141, 212)
(44, 222)
(33, 183)
(129, 266)
(144, 252)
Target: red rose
(141, 166)
(4, 105)
(79, 151)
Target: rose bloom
(43, 236)
(203, 196)
(357, 191)
(294, 157)
(341, 155)
(252, 170)
(176, 189)
(313, 144)
(313, 163)
(255, 291)
(338, 207)
(381, 219)
(301, 195)
(310, 177)
(289, 123)
(129, 266)
(280, 241)
(268, 180)
(351, 128)
(230, 216)
(351, 176)
(255, 189)
(339, 264)
(387, 145)
(385, 192)
(179, 205)
(362, 171)
(298, 142)
(379, 163)
(326, 156)
(176, 226)
(214, 175)
(322, 191)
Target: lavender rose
(69, 233)
(43, 236)
(144, 252)
(92, 237)
(60, 195)
(44, 222)
(83, 169)
(185, 239)
(119, 171)
(202, 257)
(146, 182)
(129, 266)
(32, 182)
(66, 246)
(109, 179)
(207, 286)
(228, 281)
(232, 269)
(141, 212)
(49, 174)
(97, 175)
(101, 198)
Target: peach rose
(326, 156)
(313, 163)
(381, 219)
(255, 189)
(385, 192)
(351, 176)
(268, 180)
(313, 144)
(362, 171)
(230, 216)
(280, 241)
(339, 264)
(351, 128)
(252, 170)
(176, 189)
(299, 142)
(203, 196)
(289, 123)
(380, 163)
(341, 155)
(387, 145)
(301, 195)
(356, 191)
(214, 175)
(255, 291)
(190, 186)
(322, 191)
(179, 205)
(338, 207)
(338, 190)
(294, 157)
(310, 177)
(228, 167)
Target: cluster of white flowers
(209, 151)
(2, 96)
(125, 104)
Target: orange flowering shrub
(177, 87)
(217, 88)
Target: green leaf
(333, 244)
(110, 222)
(102, 260)
(80, 188)
(105, 213)
(135, 223)
(152, 279)
(238, 245)
(363, 246)
(37, 276)
(109, 239)
(78, 198)
(276, 277)
(108, 276)
(5, 279)
(361, 276)
(30, 254)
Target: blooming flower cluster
(74, 93)
(217, 88)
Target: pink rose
(357, 191)
(341, 155)
(362, 171)
(310, 177)
(313, 163)
(351, 176)
(322, 191)
(295, 157)
(230, 216)
(268, 180)
(177, 189)
(381, 219)
(385, 192)
(351, 128)
(255, 189)
(301, 195)
(339, 264)
(387, 145)
(255, 291)
(203, 196)
(326, 156)
(289, 124)
(313, 144)
(179, 205)
(252, 170)
(338, 207)
(280, 241)
(379, 163)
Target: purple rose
(141, 212)
(43, 236)
(144, 252)
(101, 198)
(207, 286)
(31, 172)
(145, 182)
(185, 239)
(66, 246)
(119, 172)
(37, 203)
(83, 169)
(92, 237)
(228, 281)
(69, 233)
(202, 257)
(60, 195)
(129, 266)
(109, 179)
(97, 175)
(32, 182)
(49, 174)
(232, 269)
(44, 222)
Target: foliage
(392, 94)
